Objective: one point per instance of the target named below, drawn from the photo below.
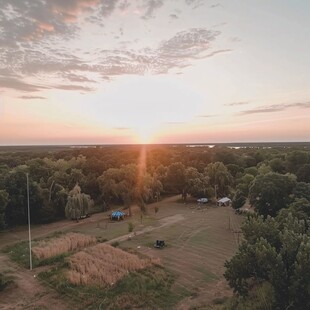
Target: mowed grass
(196, 250)
(109, 230)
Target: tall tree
(4, 200)
(219, 177)
(275, 251)
(78, 204)
(270, 192)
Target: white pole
(30, 256)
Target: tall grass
(104, 265)
(67, 243)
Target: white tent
(225, 201)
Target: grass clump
(4, 281)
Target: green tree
(175, 180)
(78, 204)
(275, 251)
(296, 159)
(16, 187)
(302, 190)
(244, 184)
(219, 177)
(238, 200)
(303, 173)
(270, 192)
(4, 200)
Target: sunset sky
(154, 71)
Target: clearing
(198, 240)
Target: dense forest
(272, 178)
(271, 269)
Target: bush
(130, 227)
(4, 281)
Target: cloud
(175, 53)
(174, 16)
(122, 128)
(77, 78)
(107, 7)
(214, 5)
(73, 87)
(150, 6)
(195, 3)
(276, 108)
(48, 64)
(32, 97)
(207, 116)
(124, 5)
(13, 83)
(33, 21)
(34, 44)
(188, 44)
(238, 103)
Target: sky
(154, 71)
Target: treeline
(127, 174)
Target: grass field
(196, 250)
(192, 264)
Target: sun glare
(144, 134)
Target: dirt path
(27, 292)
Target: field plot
(64, 244)
(104, 265)
(197, 248)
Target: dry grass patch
(104, 265)
(67, 243)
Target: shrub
(130, 227)
(4, 281)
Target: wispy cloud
(195, 3)
(237, 103)
(276, 108)
(32, 97)
(174, 123)
(150, 6)
(180, 51)
(122, 128)
(73, 87)
(12, 83)
(34, 36)
(174, 16)
(207, 116)
(213, 6)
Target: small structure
(159, 244)
(202, 200)
(117, 215)
(224, 202)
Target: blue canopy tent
(117, 215)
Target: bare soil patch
(27, 292)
